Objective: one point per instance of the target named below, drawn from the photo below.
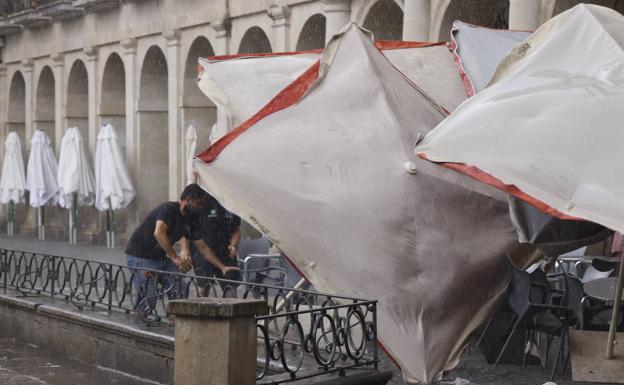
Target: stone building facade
(132, 63)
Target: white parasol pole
(73, 216)
(41, 222)
(617, 297)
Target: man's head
(192, 199)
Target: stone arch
(153, 137)
(77, 106)
(16, 117)
(254, 41)
(113, 97)
(312, 35)
(197, 109)
(44, 103)
(487, 13)
(385, 20)
(564, 5)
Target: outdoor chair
(532, 316)
(257, 266)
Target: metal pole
(114, 227)
(70, 227)
(41, 222)
(74, 218)
(282, 302)
(11, 218)
(617, 297)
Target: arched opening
(197, 109)
(487, 13)
(312, 34)
(16, 121)
(153, 140)
(113, 97)
(254, 41)
(44, 103)
(113, 111)
(564, 5)
(385, 20)
(77, 107)
(16, 118)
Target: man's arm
(234, 241)
(185, 250)
(210, 256)
(160, 233)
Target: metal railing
(305, 334)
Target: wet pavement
(24, 364)
(80, 250)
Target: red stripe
(399, 44)
(269, 54)
(286, 98)
(489, 179)
(468, 87)
(381, 44)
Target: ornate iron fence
(305, 334)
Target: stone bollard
(215, 340)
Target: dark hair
(193, 191)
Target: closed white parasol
(75, 177)
(113, 187)
(41, 178)
(12, 180)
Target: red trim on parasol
(489, 179)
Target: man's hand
(232, 251)
(227, 269)
(183, 264)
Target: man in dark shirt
(151, 245)
(220, 230)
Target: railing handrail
(193, 276)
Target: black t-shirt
(216, 226)
(143, 244)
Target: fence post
(215, 340)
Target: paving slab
(24, 364)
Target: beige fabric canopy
(327, 170)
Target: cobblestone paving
(22, 364)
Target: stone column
(176, 171)
(27, 68)
(416, 20)
(215, 340)
(129, 52)
(4, 107)
(58, 61)
(92, 73)
(281, 25)
(222, 29)
(524, 15)
(337, 14)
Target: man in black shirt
(151, 245)
(220, 230)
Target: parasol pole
(41, 222)
(110, 225)
(616, 310)
(73, 216)
(11, 218)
